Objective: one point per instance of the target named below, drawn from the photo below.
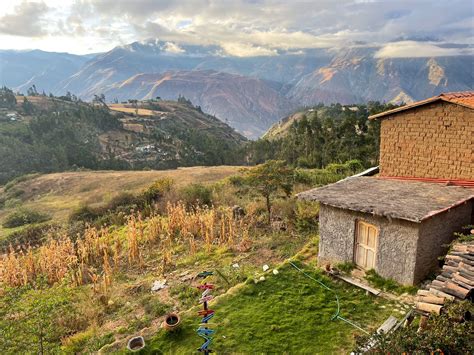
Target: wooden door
(366, 245)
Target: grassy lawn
(285, 313)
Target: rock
(265, 267)
(275, 272)
(262, 278)
(158, 285)
(235, 266)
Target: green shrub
(448, 333)
(158, 189)
(306, 216)
(24, 216)
(32, 235)
(86, 213)
(197, 194)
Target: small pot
(136, 343)
(172, 321)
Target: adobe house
(399, 222)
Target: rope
(337, 314)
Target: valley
(248, 93)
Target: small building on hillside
(399, 222)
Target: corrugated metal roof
(463, 98)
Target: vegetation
(324, 135)
(268, 179)
(448, 333)
(104, 271)
(22, 217)
(56, 134)
(387, 284)
(285, 313)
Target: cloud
(173, 48)
(26, 20)
(246, 50)
(411, 49)
(242, 27)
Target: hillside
(250, 93)
(47, 134)
(321, 135)
(58, 194)
(247, 104)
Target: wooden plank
(441, 294)
(358, 284)
(428, 307)
(388, 325)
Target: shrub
(158, 189)
(31, 235)
(448, 333)
(197, 194)
(86, 213)
(307, 215)
(24, 216)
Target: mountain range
(250, 93)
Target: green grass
(285, 313)
(388, 285)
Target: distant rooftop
(409, 200)
(463, 98)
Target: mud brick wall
(431, 141)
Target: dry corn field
(96, 255)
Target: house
(400, 221)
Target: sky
(242, 28)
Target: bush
(158, 189)
(31, 235)
(197, 195)
(448, 333)
(86, 213)
(307, 216)
(24, 216)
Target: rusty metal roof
(408, 200)
(463, 98)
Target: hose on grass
(336, 315)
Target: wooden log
(455, 290)
(428, 307)
(459, 277)
(466, 267)
(437, 284)
(424, 293)
(430, 299)
(451, 269)
(452, 263)
(441, 278)
(463, 255)
(462, 284)
(454, 258)
(441, 294)
(466, 274)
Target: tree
(7, 98)
(268, 179)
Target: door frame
(376, 248)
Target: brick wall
(432, 141)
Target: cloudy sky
(242, 27)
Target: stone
(265, 267)
(158, 285)
(275, 272)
